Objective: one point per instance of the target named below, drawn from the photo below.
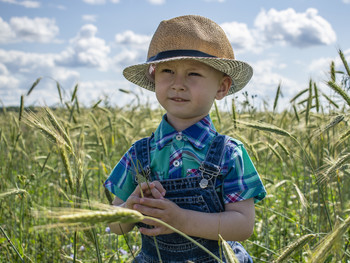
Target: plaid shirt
(188, 149)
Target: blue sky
(89, 42)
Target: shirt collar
(199, 134)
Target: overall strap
(142, 148)
(210, 167)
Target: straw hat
(191, 37)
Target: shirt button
(178, 137)
(176, 163)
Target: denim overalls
(188, 194)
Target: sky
(89, 42)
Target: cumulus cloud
(85, 50)
(156, 2)
(42, 30)
(99, 2)
(8, 83)
(266, 79)
(129, 57)
(297, 29)
(320, 67)
(130, 38)
(133, 48)
(240, 36)
(90, 18)
(94, 2)
(219, 1)
(27, 3)
(18, 70)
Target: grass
(58, 157)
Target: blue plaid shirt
(186, 150)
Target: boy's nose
(178, 83)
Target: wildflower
(82, 248)
(108, 230)
(135, 248)
(72, 256)
(122, 251)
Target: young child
(202, 183)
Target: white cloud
(297, 29)
(18, 70)
(86, 50)
(129, 57)
(8, 84)
(133, 48)
(22, 62)
(6, 33)
(94, 2)
(107, 89)
(27, 4)
(266, 80)
(319, 65)
(156, 2)
(100, 2)
(130, 38)
(90, 18)
(219, 1)
(320, 68)
(42, 30)
(240, 37)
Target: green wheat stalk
(345, 63)
(338, 165)
(323, 249)
(332, 71)
(113, 214)
(234, 114)
(298, 95)
(334, 86)
(294, 247)
(278, 93)
(317, 99)
(230, 255)
(330, 101)
(309, 102)
(11, 244)
(12, 192)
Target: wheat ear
(228, 252)
(295, 246)
(12, 192)
(114, 214)
(323, 248)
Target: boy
(202, 183)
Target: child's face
(187, 89)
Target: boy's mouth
(177, 99)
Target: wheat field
(54, 161)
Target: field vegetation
(53, 161)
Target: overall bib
(188, 194)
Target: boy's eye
(167, 70)
(194, 74)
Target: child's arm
(236, 223)
(150, 190)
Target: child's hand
(163, 209)
(151, 190)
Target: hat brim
(239, 71)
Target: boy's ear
(225, 85)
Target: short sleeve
(241, 181)
(120, 182)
